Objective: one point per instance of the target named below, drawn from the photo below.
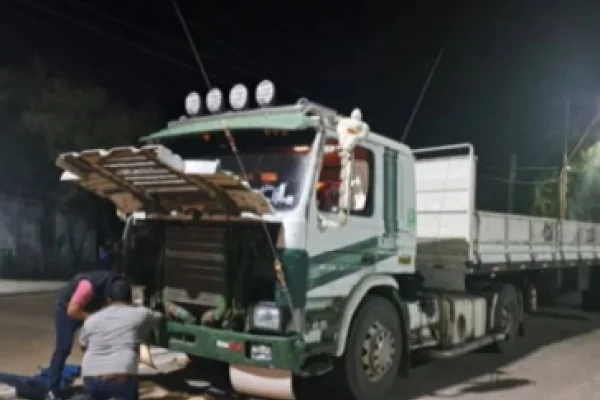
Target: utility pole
(567, 128)
(563, 182)
(563, 175)
(512, 175)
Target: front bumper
(236, 347)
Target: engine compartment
(215, 270)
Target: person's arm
(82, 296)
(150, 321)
(179, 313)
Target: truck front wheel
(369, 367)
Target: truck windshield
(275, 161)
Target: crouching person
(110, 339)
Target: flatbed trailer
(550, 254)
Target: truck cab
(289, 236)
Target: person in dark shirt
(108, 254)
(81, 296)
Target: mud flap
(521, 298)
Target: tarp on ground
(35, 387)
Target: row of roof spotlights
(238, 98)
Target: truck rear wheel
(507, 318)
(369, 367)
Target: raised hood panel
(153, 179)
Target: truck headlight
(266, 317)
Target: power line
(102, 32)
(587, 131)
(120, 77)
(160, 37)
(534, 182)
(191, 24)
(525, 168)
(415, 109)
(190, 40)
(244, 56)
(123, 22)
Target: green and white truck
(302, 244)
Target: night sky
(508, 66)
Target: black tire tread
(508, 293)
(347, 373)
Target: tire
(313, 388)
(589, 301)
(590, 298)
(507, 317)
(215, 372)
(376, 314)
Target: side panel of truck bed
(502, 241)
(451, 231)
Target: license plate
(260, 353)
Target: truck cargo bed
(450, 229)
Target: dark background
(508, 66)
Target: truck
(301, 244)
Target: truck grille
(195, 259)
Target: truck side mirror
(351, 131)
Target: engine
(216, 270)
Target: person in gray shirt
(111, 339)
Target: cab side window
(361, 188)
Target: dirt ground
(558, 359)
(27, 332)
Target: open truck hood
(153, 179)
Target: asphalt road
(558, 359)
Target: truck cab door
(407, 215)
(339, 252)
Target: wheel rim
(379, 347)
